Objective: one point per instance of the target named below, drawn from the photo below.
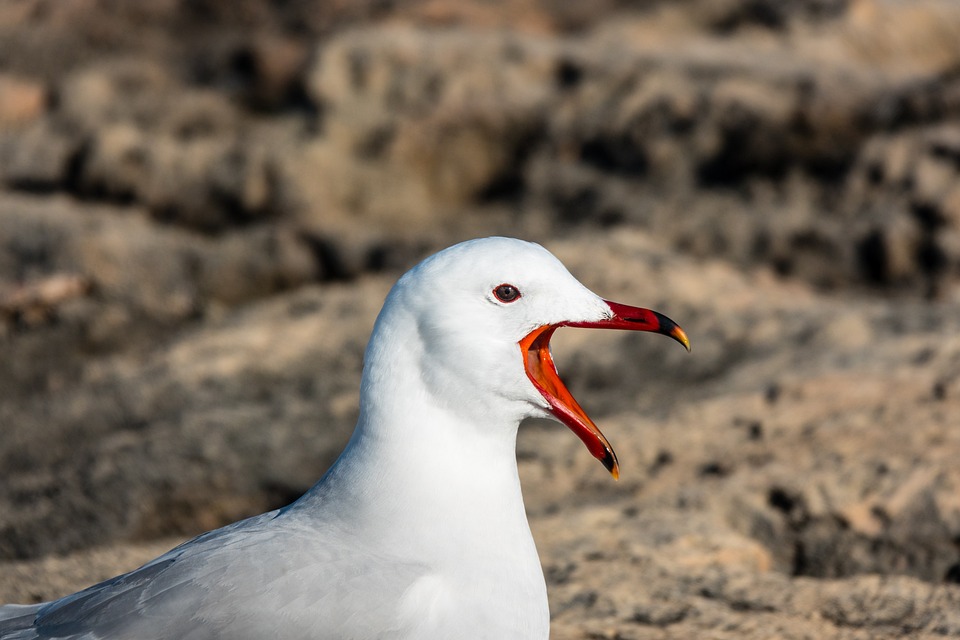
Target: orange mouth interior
(538, 363)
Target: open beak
(538, 363)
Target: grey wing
(108, 608)
(76, 615)
(262, 577)
(16, 621)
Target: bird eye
(506, 293)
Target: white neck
(428, 480)
(439, 481)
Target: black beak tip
(610, 463)
(671, 329)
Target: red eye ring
(506, 293)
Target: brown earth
(203, 204)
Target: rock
(253, 265)
(141, 277)
(21, 101)
(33, 303)
(272, 69)
(422, 114)
(116, 165)
(37, 158)
(119, 91)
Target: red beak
(538, 363)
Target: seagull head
(478, 318)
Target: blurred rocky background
(203, 203)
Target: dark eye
(507, 293)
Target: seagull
(418, 530)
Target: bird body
(418, 530)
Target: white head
(475, 320)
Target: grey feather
(214, 586)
